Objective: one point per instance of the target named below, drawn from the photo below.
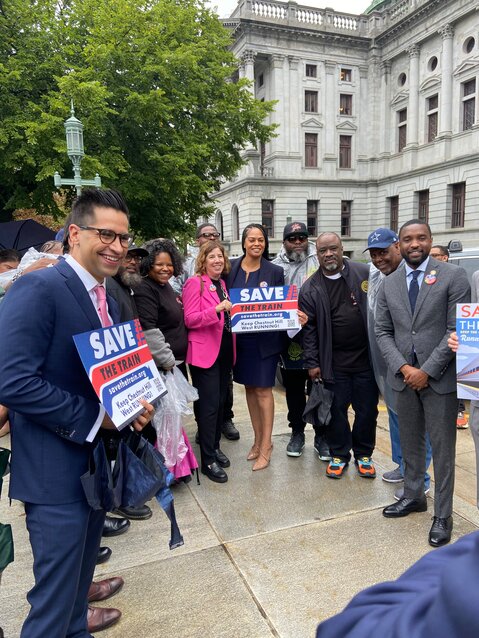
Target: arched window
(235, 223)
(219, 223)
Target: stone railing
(290, 13)
(266, 171)
(293, 14)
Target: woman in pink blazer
(210, 352)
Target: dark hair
(200, 264)
(83, 209)
(161, 246)
(442, 249)
(48, 245)
(201, 226)
(413, 222)
(265, 235)
(9, 254)
(83, 206)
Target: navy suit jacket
(273, 275)
(44, 383)
(435, 598)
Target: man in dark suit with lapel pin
(56, 414)
(416, 312)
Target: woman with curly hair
(161, 316)
(159, 308)
(210, 352)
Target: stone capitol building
(377, 120)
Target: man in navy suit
(435, 597)
(56, 414)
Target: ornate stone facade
(377, 114)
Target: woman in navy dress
(257, 354)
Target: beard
(331, 266)
(130, 279)
(295, 256)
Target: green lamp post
(76, 152)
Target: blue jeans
(396, 452)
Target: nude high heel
(263, 459)
(253, 453)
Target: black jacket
(124, 298)
(314, 301)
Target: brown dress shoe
(103, 589)
(100, 618)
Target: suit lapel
(425, 288)
(80, 293)
(113, 309)
(403, 291)
(212, 293)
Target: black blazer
(273, 342)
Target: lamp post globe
(76, 152)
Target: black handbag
(138, 474)
(102, 486)
(318, 408)
(6, 537)
(145, 476)
(6, 546)
(4, 466)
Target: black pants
(358, 389)
(212, 385)
(228, 413)
(295, 382)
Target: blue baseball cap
(381, 238)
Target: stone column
(361, 111)
(247, 71)
(247, 65)
(384, 145)
(278, 93)
(413, 104)
(292, 114)
(445, 97)
(331, 110)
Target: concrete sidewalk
(269, 553)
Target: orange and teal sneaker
(366, 467)
(335, 468)
(462, 422)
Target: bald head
(330, 253)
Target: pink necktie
(100, 293)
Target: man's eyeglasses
(108, 236)
(300, 238)
(210, 235)
(130, 257)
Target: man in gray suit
(416, 312)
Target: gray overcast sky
(226, 7)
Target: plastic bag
(185, 393)
(32, 255)
(168, 416)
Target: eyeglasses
(294, 238)
(210, 235)
(108, 236)
(130, 257)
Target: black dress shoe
(115, 526)
(440, 533)
(404, 507)
(214, 472)
(222, 459)
(229, 430)
(141, 513)
(104, 554)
